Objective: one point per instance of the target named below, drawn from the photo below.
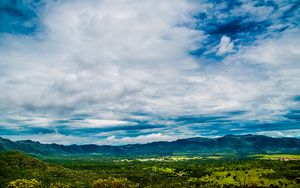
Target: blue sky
(118, 72)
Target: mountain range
(229, 144)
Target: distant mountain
(230, 144)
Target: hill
(16, 165)
(230, 144)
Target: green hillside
(15, 165)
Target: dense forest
(21, 170)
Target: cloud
(140, 139)
(94, 123)
(287, 133)
(115, 55)
(50, 138)
(129, 65)
(111, 140)
(276, 68)
(225, 46)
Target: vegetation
(282, 157)
(19, 170)
(24, 183)
(113, 183)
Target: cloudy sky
(132, 71)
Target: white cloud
(49, 122)
(111, 59)
(99, 123)
(273, 84)
(283, 133)
(139, 139)
(98, 56)
(225, 46)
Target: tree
(113, 183)
(24, 183)
(59, 185)
(245, 179)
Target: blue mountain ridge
(229, 144)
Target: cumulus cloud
(277, 62)
(99, 52)
(130, 64)
(225, 45)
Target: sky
(132, 71)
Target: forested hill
(230, 144)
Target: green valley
(21, 170)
